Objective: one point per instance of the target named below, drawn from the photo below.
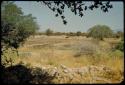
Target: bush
(49, 32)
(78, 33)
(87, 49)
(120, 46)
(116, 53)
(100, 32)
(71, 34)
(9, 57)
(119, 34)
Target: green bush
(116, 53)
(100, 32)
(119, 34)
(120, 46)
(9, 57)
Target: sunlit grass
(69, 53)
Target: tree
(100, 32)
(119, 34)
(78, 33)
(77, 7)
(15, 26)
(49, 32)
(71, 34)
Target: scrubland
(75, 52)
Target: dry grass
(71, 52)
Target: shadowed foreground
(20, 74)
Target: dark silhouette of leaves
(56, 15)
(77, 7)
(62, 17)
(64, 22)
(105, 10)
(85, 8)
(62, 6)
(91, 7)
(81, 14)
(53, 9)
(59, 11)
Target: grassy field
(72, 52)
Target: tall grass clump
(87, 49)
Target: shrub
(78, 33)
(49, 32)
(119, 34)
(120, 46)
(116, 53)
(100, 32)
(9, 57)
(87, 49)
(70, 34)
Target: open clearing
(74, 52)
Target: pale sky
(46, 18)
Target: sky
(46, 18)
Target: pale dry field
(72, 52)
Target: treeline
(98, 32)
(50, 32)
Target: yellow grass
(57, 50)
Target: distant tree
(77, 7)
(84, 34)
(59, 33)
(100, 32)
(71, 34)
(49, 32)
(119, 34)
(78, 33)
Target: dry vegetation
(74, 53)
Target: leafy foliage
(15, 26)
(120, 46)
(77, 7)
(100, 32)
